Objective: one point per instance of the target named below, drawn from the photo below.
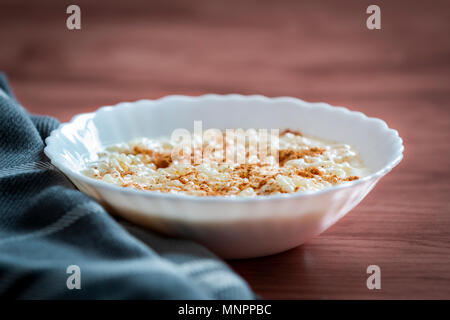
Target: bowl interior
(89, 133)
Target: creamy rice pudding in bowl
(298, 168)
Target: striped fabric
(46, 225)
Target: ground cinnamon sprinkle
(289, 154)
(136, 165)
(294, 132)
(160, 159)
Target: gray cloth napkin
(46, 225)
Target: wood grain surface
(315, 50)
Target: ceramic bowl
(233, 227)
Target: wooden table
(315, 50)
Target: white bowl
(232, 227)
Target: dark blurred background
(315, 50)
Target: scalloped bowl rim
(51, 151)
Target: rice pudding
(300, 163)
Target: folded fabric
(47, 226)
